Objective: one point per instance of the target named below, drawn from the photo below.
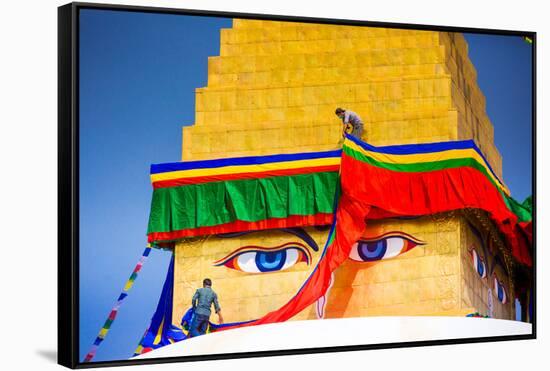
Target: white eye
(394, 247)
(500, 291)
(291, 258)
(354, 254)
(247, 262)
(479, 264)
(268, 261)
(384, 248)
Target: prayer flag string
(114, 311)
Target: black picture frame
(68, 183)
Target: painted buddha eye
(387, 246)
(500, 291)
(479, 264)
(257, 259)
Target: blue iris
(500, 292)
(480, 267)
(371, 251)
(270, 261)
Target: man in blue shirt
(202, 301)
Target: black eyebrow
(476, 232)
(496, 257)
(497, 261)
(479, 236)
(406, 217)
(298, 232)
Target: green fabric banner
(523, 211)
(210, 204)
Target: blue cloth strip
(409, 149)
(217, 326)
(252, 160)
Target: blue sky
(503, 64)
(138, 73)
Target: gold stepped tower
(275, 86)
(274, 89)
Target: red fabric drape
(348, 229)
(370, 192)
(425, 193)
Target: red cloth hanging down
(370, 192)
(348, 229)
(426, 193)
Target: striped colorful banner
(114, 311)
(424, 179)
(248, 193)
(289, 190)
(414, 158)
(198, 172)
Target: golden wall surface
(422, 281)
(477, 292)
(283, 81)
(243, 296)
(274, 89)
(435, 277)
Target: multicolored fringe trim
(477, 315)
(112, 315)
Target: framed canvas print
(240, 185)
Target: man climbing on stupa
(352, 123)
(202, 301)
